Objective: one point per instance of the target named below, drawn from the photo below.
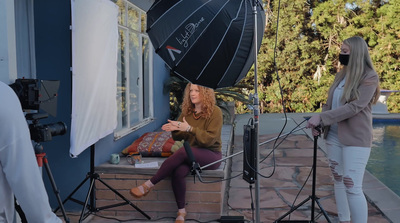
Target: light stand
(91, 208)
(314, 199)
(256, 111)
(199, 169)
(256, 117)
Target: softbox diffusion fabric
(94, 72)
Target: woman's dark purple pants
(178, 166)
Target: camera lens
(59, 128)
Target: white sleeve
(19, 169)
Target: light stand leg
(314, 199)
(73, 192)
(91, 206)
(122, 197)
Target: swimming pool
(384, 161)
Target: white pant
(348, 164)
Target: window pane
(135, 78)
(133, 19)
(121, 82)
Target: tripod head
(38, 148)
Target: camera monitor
(37, 94)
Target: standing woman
(346, 119)
(200, 124)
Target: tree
(310, 34)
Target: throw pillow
(151, 144)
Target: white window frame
(143, 121)
(17, 52)
(26, 59)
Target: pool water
(384, 161)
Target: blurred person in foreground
(19, 172)
(200, 124)
(346, 121)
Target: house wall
(53, 61)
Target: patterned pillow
(151, 144)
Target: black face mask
(344, 59)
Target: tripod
(91, 208)
(314, 199)
(41, 159)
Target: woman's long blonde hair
(355, 71)
(207, 98)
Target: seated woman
(200, 124)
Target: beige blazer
(354, 118)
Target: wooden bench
(203, 200)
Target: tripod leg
(292, 209)
(87, 200)
(323, 211)
(73, 192)
(20, 211)
(55, 189)
(126, 200)
(92, 176)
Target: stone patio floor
(284, 173)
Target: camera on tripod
(34, 95)
(44, 133)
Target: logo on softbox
(189, 30)
(171, 51)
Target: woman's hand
(313, 122)
(176, 126)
